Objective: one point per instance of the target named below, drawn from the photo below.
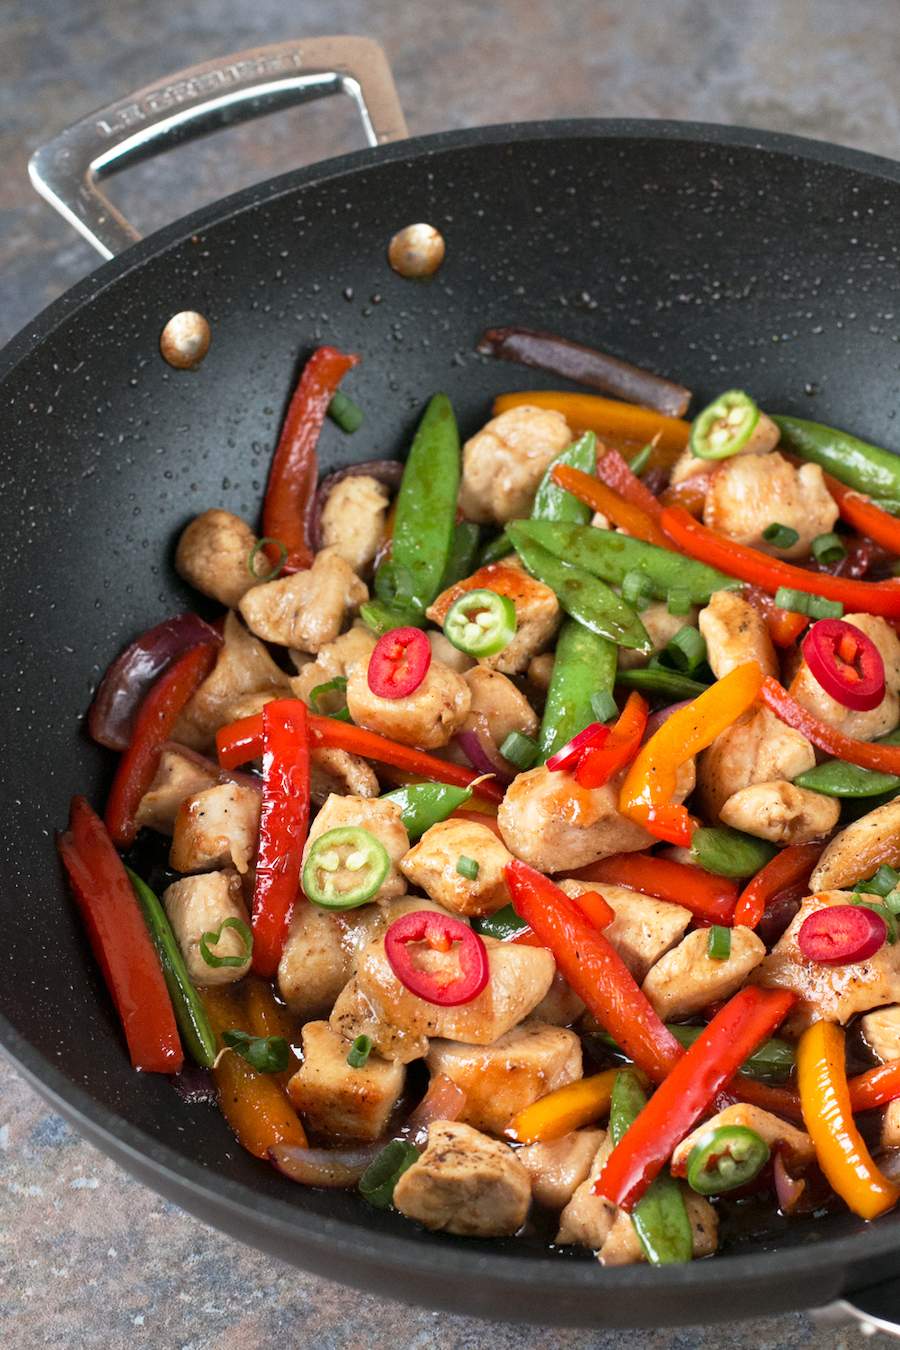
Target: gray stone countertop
(89, 1257)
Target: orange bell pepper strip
(748, 564)
(291, 489)
(868, 755)
(708, 897)
(592, 967)
(679, 1102)
(241, 741)
(267, 1017)
(614, 470)
(283, 823)
(650, 784)
(120, 941)
(253, 1103)
(601, 763)
(790, 867)
(875, 1087)
(566, 1109)
(784, 625)
(827, 1114)
(606, 417)
(868, 1091)
(153, 726)
(633, 519)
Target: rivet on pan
(416, 251)
(185, 340)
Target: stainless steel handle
(875, 1309)
(68, 169)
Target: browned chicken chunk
(427, 718)
(558, 1167)
(687, 978)
(218, 827)
(881, 1032)
(781, 812)
(336, 1100)
(537, 612)
(622, 1246)
(844, 861)
(465, 1183)
(757, 748)
(199, 905)
(505, 461)
(353, 519)
(242, 667)
(308, 609)
(213, 554)
(748, 492)
(862, 726)
(735, 632)
(431, 864)
(178, 776)
(643, 930)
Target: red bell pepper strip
(152, 728)
(120, 941)
(282, 828)
(774, 1097)
(633, 519)
(680, 1101)
(875, 1087)
(783, 624)
(614, 470)
(868, 1091)
(707, 896)
(790, 867)
(748, 564)
(240, 741)
(594, 970)
(601, 763)
(592, 905)
(291, 488)
(882, 758)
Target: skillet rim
(216, 1192)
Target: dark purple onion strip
(387, 471)
(483, 755)
(444, 1100)
(788, 1189)
(585, 365)
(122, 689)
(334, 1168)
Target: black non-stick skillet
(715, 255)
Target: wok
(716, 255)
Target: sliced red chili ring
(846, 663)
(439, 932)
(399, 662)
(840, 935)
(572, 752)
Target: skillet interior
(695, 251)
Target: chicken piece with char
(762, 440)
(881, 1033)
(857, 851)
(781, 812)
(427, 718)
(242, 667)
(354, 1015)
(747, 493)
(214, 553)
(431, 864)
(862, 726)
(757, 748)
(465, 1183)
(199, 905)
(383, 819)
(178, 776)
(335, 660)
(735, 633)
(218, 827)
(353, 520)
(505, 461)
(537, 612)
(687, 978)
(498, 707)
(308, 609)
(336, 1100)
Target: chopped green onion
(381, 1176)
(885, 880)
(782, 536)
(828, 548)
(243, 932)
(519, 749)
(686, 650)
(348, 415)
(718, 944)
(636, 590)
(820, 608)
(641, 460)
(251, 559)
(336, 686)
(604, 706)
(359, 1052)
(892, 902)
(266, 1054)
(815, 606)
(890, 921)
(467, 867)
(678, 601)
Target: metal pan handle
(68, 169)
(876, 1308)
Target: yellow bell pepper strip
(607, 417)
(566, 1109)
(650, 784)
(828, 1116)
(267, 1017)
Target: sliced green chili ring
(519, 749)
(267, 1054)
(425, 804)
(718, 944)
(604, 706)
(725, 426)
(276, 570)
(725, 1158)
(481, 623)
(781, 536)
(336, 686)
(668, 685)
(190, 1013)
(885, 913)
(359, 1052)
(639, 462)
(461, 562)
(380, 618)
(347, 849)
(467, 867)
(503, 924)
(495, 549)
(348, 415)
(686, 650)
(660, 1217)
(243, 932)
(376, 1185)
(678, 601)
(551, 502)
(828, 549)
(728, 852)
(636, 590)
(771, 1062)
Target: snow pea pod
(862, 466)
(609, 555)
(772, 1061)
(552, 502)
(837, 778)
(583, 596)
(503, 924)
(669, 685)
(461, 562)
(728, 852)
(584, 664)
(381, 617)
(426, 504)
(660, 1217)
(425, 804)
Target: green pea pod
(609, 555)
(865, 467)
(461, 562)
(588, 600)
(503, 924)
(668, 685)
(552, 502)
(772, 1061)
(660, 1217)
(730, 853)
(425, 804)
(426, 503)
(837, 778)
(497, 548)
(584, 664)
(190, 1014)
(381, 618)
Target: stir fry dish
(516, 838)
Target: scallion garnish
(519, 749)
(348, 415)
(814, 606)
(782, 536)
(467, 867)
(359, 1052)
(212, 938)
(686, 650)
(266, 1054)
(820, 608)
(381, 1176)
(892, 902)
(718, 944)
(636, 590)
(885, 880)
(276, 570)
(604, 706)
(828, 548)
(678, 601)
(336, 686)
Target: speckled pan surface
(718, 257)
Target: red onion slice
(387, 471)
(656, 720)
(122, 689)
(788, 1189)
(444, 1100)
(478, 746)
(333, 1168)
